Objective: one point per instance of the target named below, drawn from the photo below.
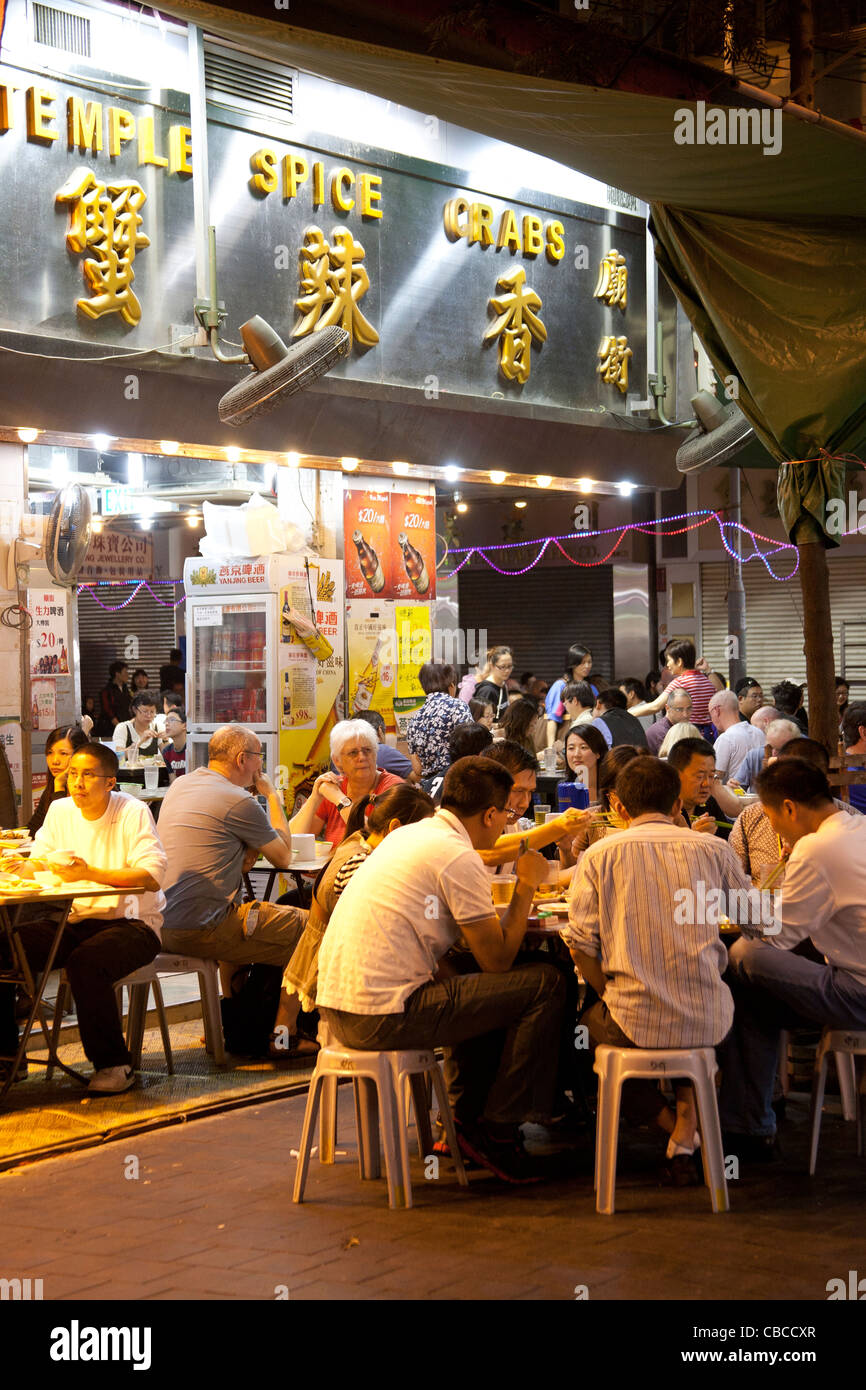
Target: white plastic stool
(614, 1065)
(382, 1083)
(846, 1046)
(134, 1024)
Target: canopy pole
(736, 591)
(818, 641)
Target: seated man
(612, 717)
(854, 739)
(561, 830)
(389, 759)
(108, 837)
(750, 698)
(736, 736)
(678, 710)
(464, 741)
(694, 762)
(380, 985)
(213, 831)
(637, 936)
(753, 839)
(776, 733)
(774, 988)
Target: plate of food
(13, 885)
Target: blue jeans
(773, 990)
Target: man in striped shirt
(681, 662)
(642, 931)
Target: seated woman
(609, 819)
(59, 746)
(584, 749)
(354, 746)
(370, 820)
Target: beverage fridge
(265, 649)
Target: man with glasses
(678, 710)
(213, 830)
(102, 836)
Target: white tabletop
(143, 793)
(80, 889)
(298, 865)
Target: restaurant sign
(442, 288)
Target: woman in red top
(354, 746)
(680, 661)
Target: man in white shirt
(824, 897)
(98, 835)
(736, 736)
(643, 931)
(382, 986)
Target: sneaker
(507, 1159)
(111, 1081)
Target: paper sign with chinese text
(49, 636)
(43, 694)
(414, 647)
(371, 646)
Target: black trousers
(96, 952)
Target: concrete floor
(204, 1211)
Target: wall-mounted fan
(279, 371)
(64, 545)
(722, 432)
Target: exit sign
(117, 501)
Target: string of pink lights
(139, 584)
(697, 519)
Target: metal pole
(200, 178)
(736, 652)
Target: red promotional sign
(413, 546)
(367, 532)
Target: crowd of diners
(409, 943)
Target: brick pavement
(210, 1216)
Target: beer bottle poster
(367, 543)
(371, 646)
(413, 546)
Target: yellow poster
(414, 647)
(310, 685)
(371, 647)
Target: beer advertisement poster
(371, 644)
(367, 541)
(413, 546)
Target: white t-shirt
(732, 746)
(399, 914)
(123, 838)
(824, 894)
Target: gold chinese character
(615, 354)
(332, 281)
(518, 324)
(612, 285)
(105, 224)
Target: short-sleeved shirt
(428, 730)
(399, 914)
(206, 824)
(701, 689)
(489, 693)
(327, 811)
(124, 734)
(124, 837)
(175, 761)
(732, 746)
(553, 708)
(391, 760)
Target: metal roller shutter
(103, 636)
(774, 618)
(540, 614)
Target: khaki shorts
(272, 942)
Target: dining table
(15, 970)
(299, 868)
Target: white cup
(303, 846)
(151, 778)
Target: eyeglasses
(253, 753)
(88, 777)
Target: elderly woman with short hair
(354, 745)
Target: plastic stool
(382, 1083)
(139, 983)
(846, 1046)
(614, 1065)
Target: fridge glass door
(230, 671)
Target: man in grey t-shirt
(213, 830)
